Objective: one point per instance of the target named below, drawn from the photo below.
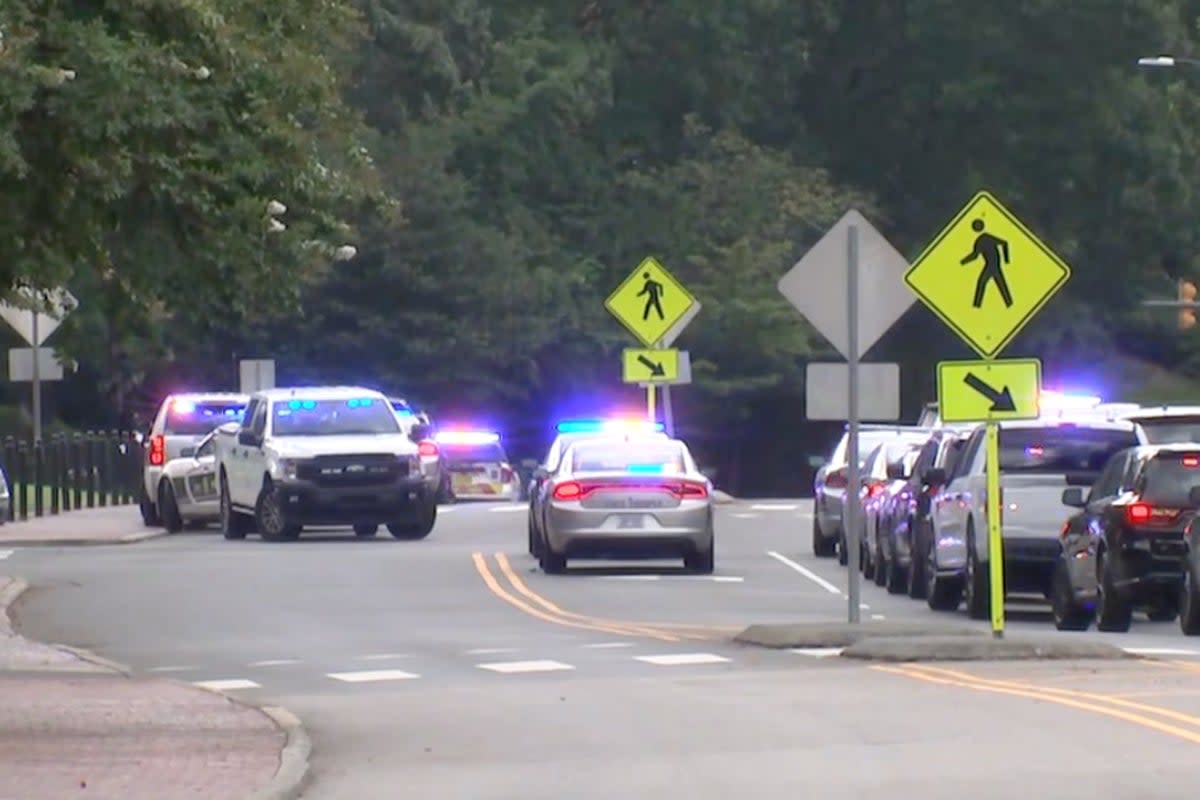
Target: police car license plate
(628, 521)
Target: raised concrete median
(72, 724)
(909, 641)
(90, 526)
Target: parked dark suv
(1125, 549)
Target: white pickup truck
(326, 456)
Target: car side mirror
(248, 439)
(816, 462)
(935, 476)
(187, 452)
(1073, 497)
(1194, 496)
(541, 473)
(420, 431)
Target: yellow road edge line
(523, 589)
(1144, 722)
(1166, 713)
(494, 586)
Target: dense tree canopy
(501, 165)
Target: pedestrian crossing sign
(650, 302)
(986, 275)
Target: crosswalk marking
(226, 685)
(508, 509)
(6, 553)
(817, 652)
(525, 666)
(679, 659)
(773, 507)
(1160, 651)
(370, 676)
(274, 662)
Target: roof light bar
(466, 437)
(609, 426)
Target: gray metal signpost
(850, 287)
(35, 327)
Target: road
(453, 668)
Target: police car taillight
(158, 450)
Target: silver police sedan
(626, 497)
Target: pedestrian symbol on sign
(994, 252)
(653, 291)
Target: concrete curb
(292, 775)
(68, 541)
(843, 634)
(963, 648)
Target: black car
(1124, 550)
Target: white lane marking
(806, 572)
(486, 651)
(509, 667)
(878, 616)
(710, 578)
(1159, 651)
(508, 509)
(382, 656)
(817, 652)
(447, 509)
(680, 659)
(371, 675)
(274, 662)
(226, 685)
(6, 553)
(745, 516)
(720, 578)
(172, 669)
(607, 645)
(628, 577)
(773, 507)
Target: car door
(241, 489)
(1116, 479)
(201, 477)
(951, 506)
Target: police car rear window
(1169, 477)
(1061, 449)
(627, 457)
(196, 419)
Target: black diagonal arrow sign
(1002, 399)
(655, 367)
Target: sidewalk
(71, 727)
(112, 525)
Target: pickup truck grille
(353, 470)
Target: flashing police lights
(609, 426)
(466, 437)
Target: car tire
(915, 578)
(822, 547)
(880, 562)
(942, 593)
(1189, 601)
(1114, 613)
(843, 554)
(702, 562)
(534, 541)
(149, 512)
(172, 520)
(1068, 614)
(365, 531)
(866, 565)
(268, 516)
(415, 531)
(234, 526)
(977, 588)
(896, 580)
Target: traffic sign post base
(650, 410)
(995, 540)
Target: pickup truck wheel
(268, 514)
(233, 525)
(172, 521)
(366, 531)
(415, 530)
(1189, 601)
(1114, 613)
(977, 590)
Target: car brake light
(1191, 461)
(836, 479)
(158, 450)
(874, 490)
(691, 491)
(427, 449)
(1138, 512)
(571, 490)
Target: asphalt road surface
(453, 668)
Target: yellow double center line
(505, 584)
(1163, 720)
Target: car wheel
(702, 562)
(172, 521)
(534, 541)
(233, 525)
(1068, 614)
(269, 517)
(881, 564)
(420, 529)
(149, 512)
(897, 576)
(977, 586)
(842, 550)
(916, 563)
(1114, 613)
(822, 547)
(366, 531)
(1189, 602)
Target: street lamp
(1165, 61)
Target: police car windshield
(627, 456)
(464, 453)
(1169, 477)
(186, 418)
(1060, 449)
(1166, 430)
(333, 418)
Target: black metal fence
(68, 472)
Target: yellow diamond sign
(989, 391)
(649, 302)
(986, 275)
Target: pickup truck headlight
(286, 468)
